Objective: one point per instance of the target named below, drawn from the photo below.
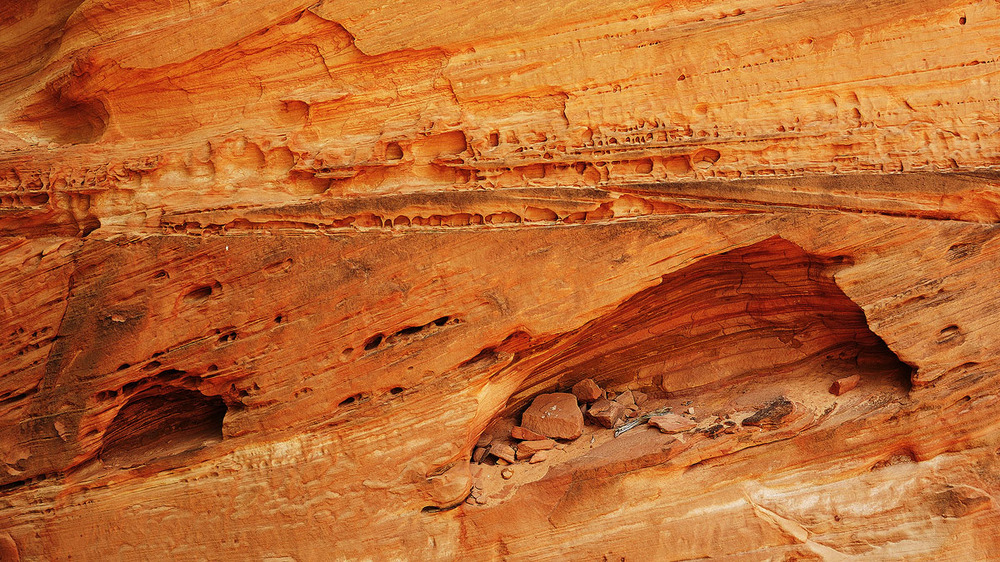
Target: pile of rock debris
(555, 418)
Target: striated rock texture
(279, 279)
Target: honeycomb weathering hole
(161, 423)
(393, 151)
(201, 293)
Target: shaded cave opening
(750, 324)
(162, 422)
(756, 337)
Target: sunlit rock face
(279, 280)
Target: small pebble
(691, 411)
(507, 473)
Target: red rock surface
(521, 433)
(606, 412)
(672, 423)
(271, 271)
(846, 384)
(539, 457)
(587, 391)
(626, 399)
(554, 415)
(526, 449)
(504, 451)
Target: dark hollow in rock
(162, 422)
(765, 311)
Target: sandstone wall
(272, 272)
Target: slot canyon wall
(280, 279)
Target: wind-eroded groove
(960, 198)
(723, 204)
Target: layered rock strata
(275, 273)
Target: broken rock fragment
(844, 385)
(554, 415)
(540, 456)
(523, 434)
(671, 423)
(626, 399)
(478, 454)
(452, 486)
(503, 451)
(528, 448)
(606, 412)
(587, 391)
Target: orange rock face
(280, 279)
